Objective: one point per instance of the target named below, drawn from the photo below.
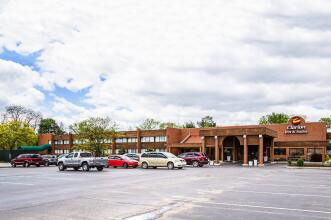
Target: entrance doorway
(232, 149)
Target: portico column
(272, 150)
(261, 150)
(203, 147)
(217, 160)
(245, 151)
(113, 146)
(222, 150)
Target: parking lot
(228, 192)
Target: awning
(35, 148)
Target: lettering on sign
(296, 127)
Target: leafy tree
(189, 124)
(15, 133)
(327, 121)
(274, 118)
(22, 114)
(164, 125)
(92, 132)
(206, 122)
(150, 124)
(49, 125)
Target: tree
(189, 124)
(14, 134)
(327, 121)
(149, 124)
(49, 125)
(22, 114)
(274, 118)
(164, 125)
(206, 122)
(92, 132)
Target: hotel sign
(296, 126)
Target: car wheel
(125, 165)
(47, 164)
(144, 165)
(13, 165)
(99, 168)
(61, 167)
(26, 164)
(170, 166)
(195, 163)
(85, 167)
(76, 168)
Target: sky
(170, 60)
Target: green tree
(327, 121)
(274, 118)
(15, 133)
(164, 125)
(150, 124)
(49, 125)
(206, 122)
(92, 132)
(189, 124)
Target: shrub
(289, 162)
(300, 163)
(316, 157)
(327, 158)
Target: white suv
(160, 159)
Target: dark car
(27, 160)
(49, 159)
(133, 156)
(197, 159)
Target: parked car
(121, 161)
(83, 160)
(27, 160)
(133, 156)
(49, 159)
(161, 159)
(197, 159)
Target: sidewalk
(5, 165)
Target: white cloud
(178, 60)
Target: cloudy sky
(170, 60)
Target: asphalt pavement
(228, 192)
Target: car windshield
(125, 158)
(85, 155)
(35, 156)
(170, 155)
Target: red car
(27, 159)
(197, 159)
(121, 161)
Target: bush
(289, 162)
(300, 163)
(316, 157)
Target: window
(132, 140)
(280, 151)
(85, 155)
(160, 139)
(147, 139)
(49, 142)
(296, 152)
(160, 155)
(66, 142)
(121, 140)
(144, 155)
(132, 150)
(70, 155)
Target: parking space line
(265, 207)
(293, 186)
(15, 183)
(279, 193)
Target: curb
(316, 168)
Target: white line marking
(293, 186)
(266, 207)
(279, 193)
(26, 184)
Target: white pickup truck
(83, 160)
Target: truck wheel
(195, 163)
(99, 168)
(170, 166)
(144, 165)
(125, 165)
(61, 167)
(85, 167)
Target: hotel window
(132, 150)
(280, 151)
(132, 140)
(49, 142)
(296, 152)
(121, 140)
(66, 142)
(160, 139)
(147, 139)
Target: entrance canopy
(36, 148)
(238, 131)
